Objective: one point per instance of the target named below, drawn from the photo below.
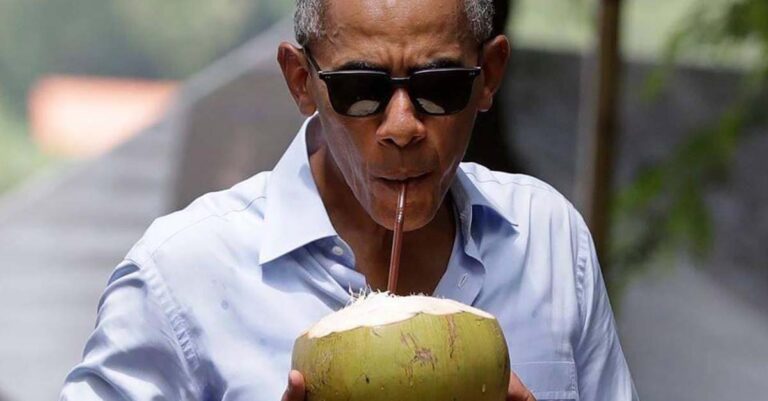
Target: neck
(425, 252)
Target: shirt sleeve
(134, 352)
(603, 374)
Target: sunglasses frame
(394, 82)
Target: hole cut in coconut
(381, 308)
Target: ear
(495, 56)
(296, 72)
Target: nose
(400, 126)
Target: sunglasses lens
(358, 94)
(440, 92)
(434, 92)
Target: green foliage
(181, 36)
(18, 156)
(664, 209)
(168, 39)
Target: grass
(19, 157)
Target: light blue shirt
(207, 305)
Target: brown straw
(397, 239)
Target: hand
(295, 389)
(517, 390)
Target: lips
(393, 183)
(402, 176)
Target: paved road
(686, 337)
(59, 239)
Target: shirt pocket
(549, 380)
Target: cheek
(452, 144)
(344, 150)
(348, 149)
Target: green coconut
(414, 348)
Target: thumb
(295, 389)
(517, 390)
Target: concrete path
(686, 337)
(60, 237)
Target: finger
(295, 389)
(517, 390)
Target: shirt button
(463, 280)
(337, 250)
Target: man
(208, 303)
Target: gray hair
(308, 19)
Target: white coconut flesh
(381, 308)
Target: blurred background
(649, 114)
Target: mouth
(398, 179)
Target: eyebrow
(361, 65)
(444, 62)
(356, 65)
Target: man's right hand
(295, 389)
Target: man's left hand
(517, 390)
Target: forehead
(395, 31)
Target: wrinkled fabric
(207, 305)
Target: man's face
(376, 154)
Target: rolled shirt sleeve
(603, 374)
(135, 351)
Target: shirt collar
(295, 214)
(468, 197)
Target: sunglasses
(362, 93)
